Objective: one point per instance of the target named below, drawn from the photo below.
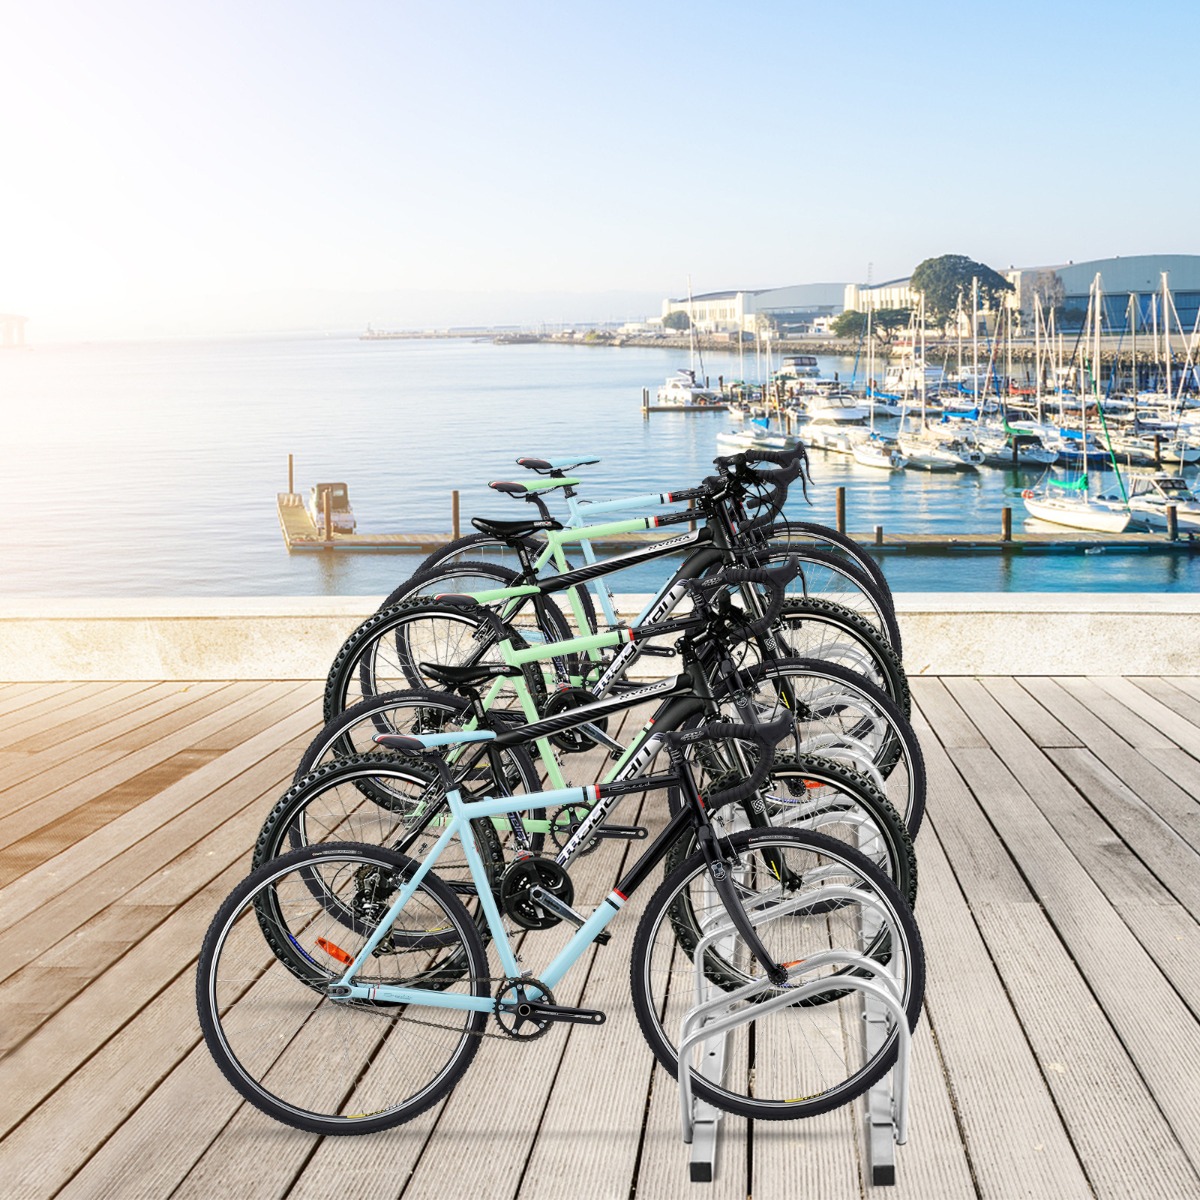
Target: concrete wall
(297, 637)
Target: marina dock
(1058, 1053)
(301, 534)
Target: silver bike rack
(704, 1027)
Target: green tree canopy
(677, 320)
(884, 323)
(945, 282)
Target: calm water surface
(152, 469)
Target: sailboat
(1071, 503)
(927, 449)
(876, 450)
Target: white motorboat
(682, 390)
(1149, 497)
(755, 437)
(341, 516)
(835, 408)
(928, 450)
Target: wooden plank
(18, 898)
(85, 714)
(953, 727)
(52, 838)
(1136, 1156)
(1175, 863)
(1117, 716)
(1041, 727)
(154, 877)
(1161, 1036)
(1167, 780)
(1168, 692)
(55, 709)
(1177, 729)
(43, 778)
(1015, 1140)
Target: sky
(174, 168)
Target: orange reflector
(789, 966)
(334, 951)
(812, 783)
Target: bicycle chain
(375, 1010)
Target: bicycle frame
(462, 813)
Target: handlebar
(774, 579)
(767, 737)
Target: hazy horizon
(190, 170)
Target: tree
(884, 323)
(677, 320)
(849, 324)
(945, 283)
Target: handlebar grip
(774, 579)
(767, 737)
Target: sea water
(143, 469)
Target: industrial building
(788, 309)
(1067, 285)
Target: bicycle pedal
(633, 832)
(572, 1016)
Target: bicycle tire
(803, 1058)
(339, 1067)
(415, 712)
(843, 800)
(831, 579)
(835, 634)
(424, 630)
(834, 706)
(797, 532)
(484, 544)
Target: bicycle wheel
(486, 771)
(807, 533)
(463, 571)
(338, 803)
(818, 629)
(838, 714)
(834, 579)
(334, 1066)
(813, 794)
(384, 654)
(794, 1059)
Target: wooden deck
(1059, 1055)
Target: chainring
(572, 741)
(520, 878)
(566, 821)
(518, 1024)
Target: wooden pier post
(291, 475)
(1006, 524)
(879, 535)
(1172, 522)
(328, 498)
(841, 510)
(645, 404)
(454, 514)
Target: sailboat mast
(975, 338)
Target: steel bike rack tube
(884, 1007)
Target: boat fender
(1027, 494)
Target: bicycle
(366, 798)
(344, 989)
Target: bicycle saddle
(454, 676)
(505, 529)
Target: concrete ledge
(962, 633)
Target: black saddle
(452, 676)
(511, 529)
